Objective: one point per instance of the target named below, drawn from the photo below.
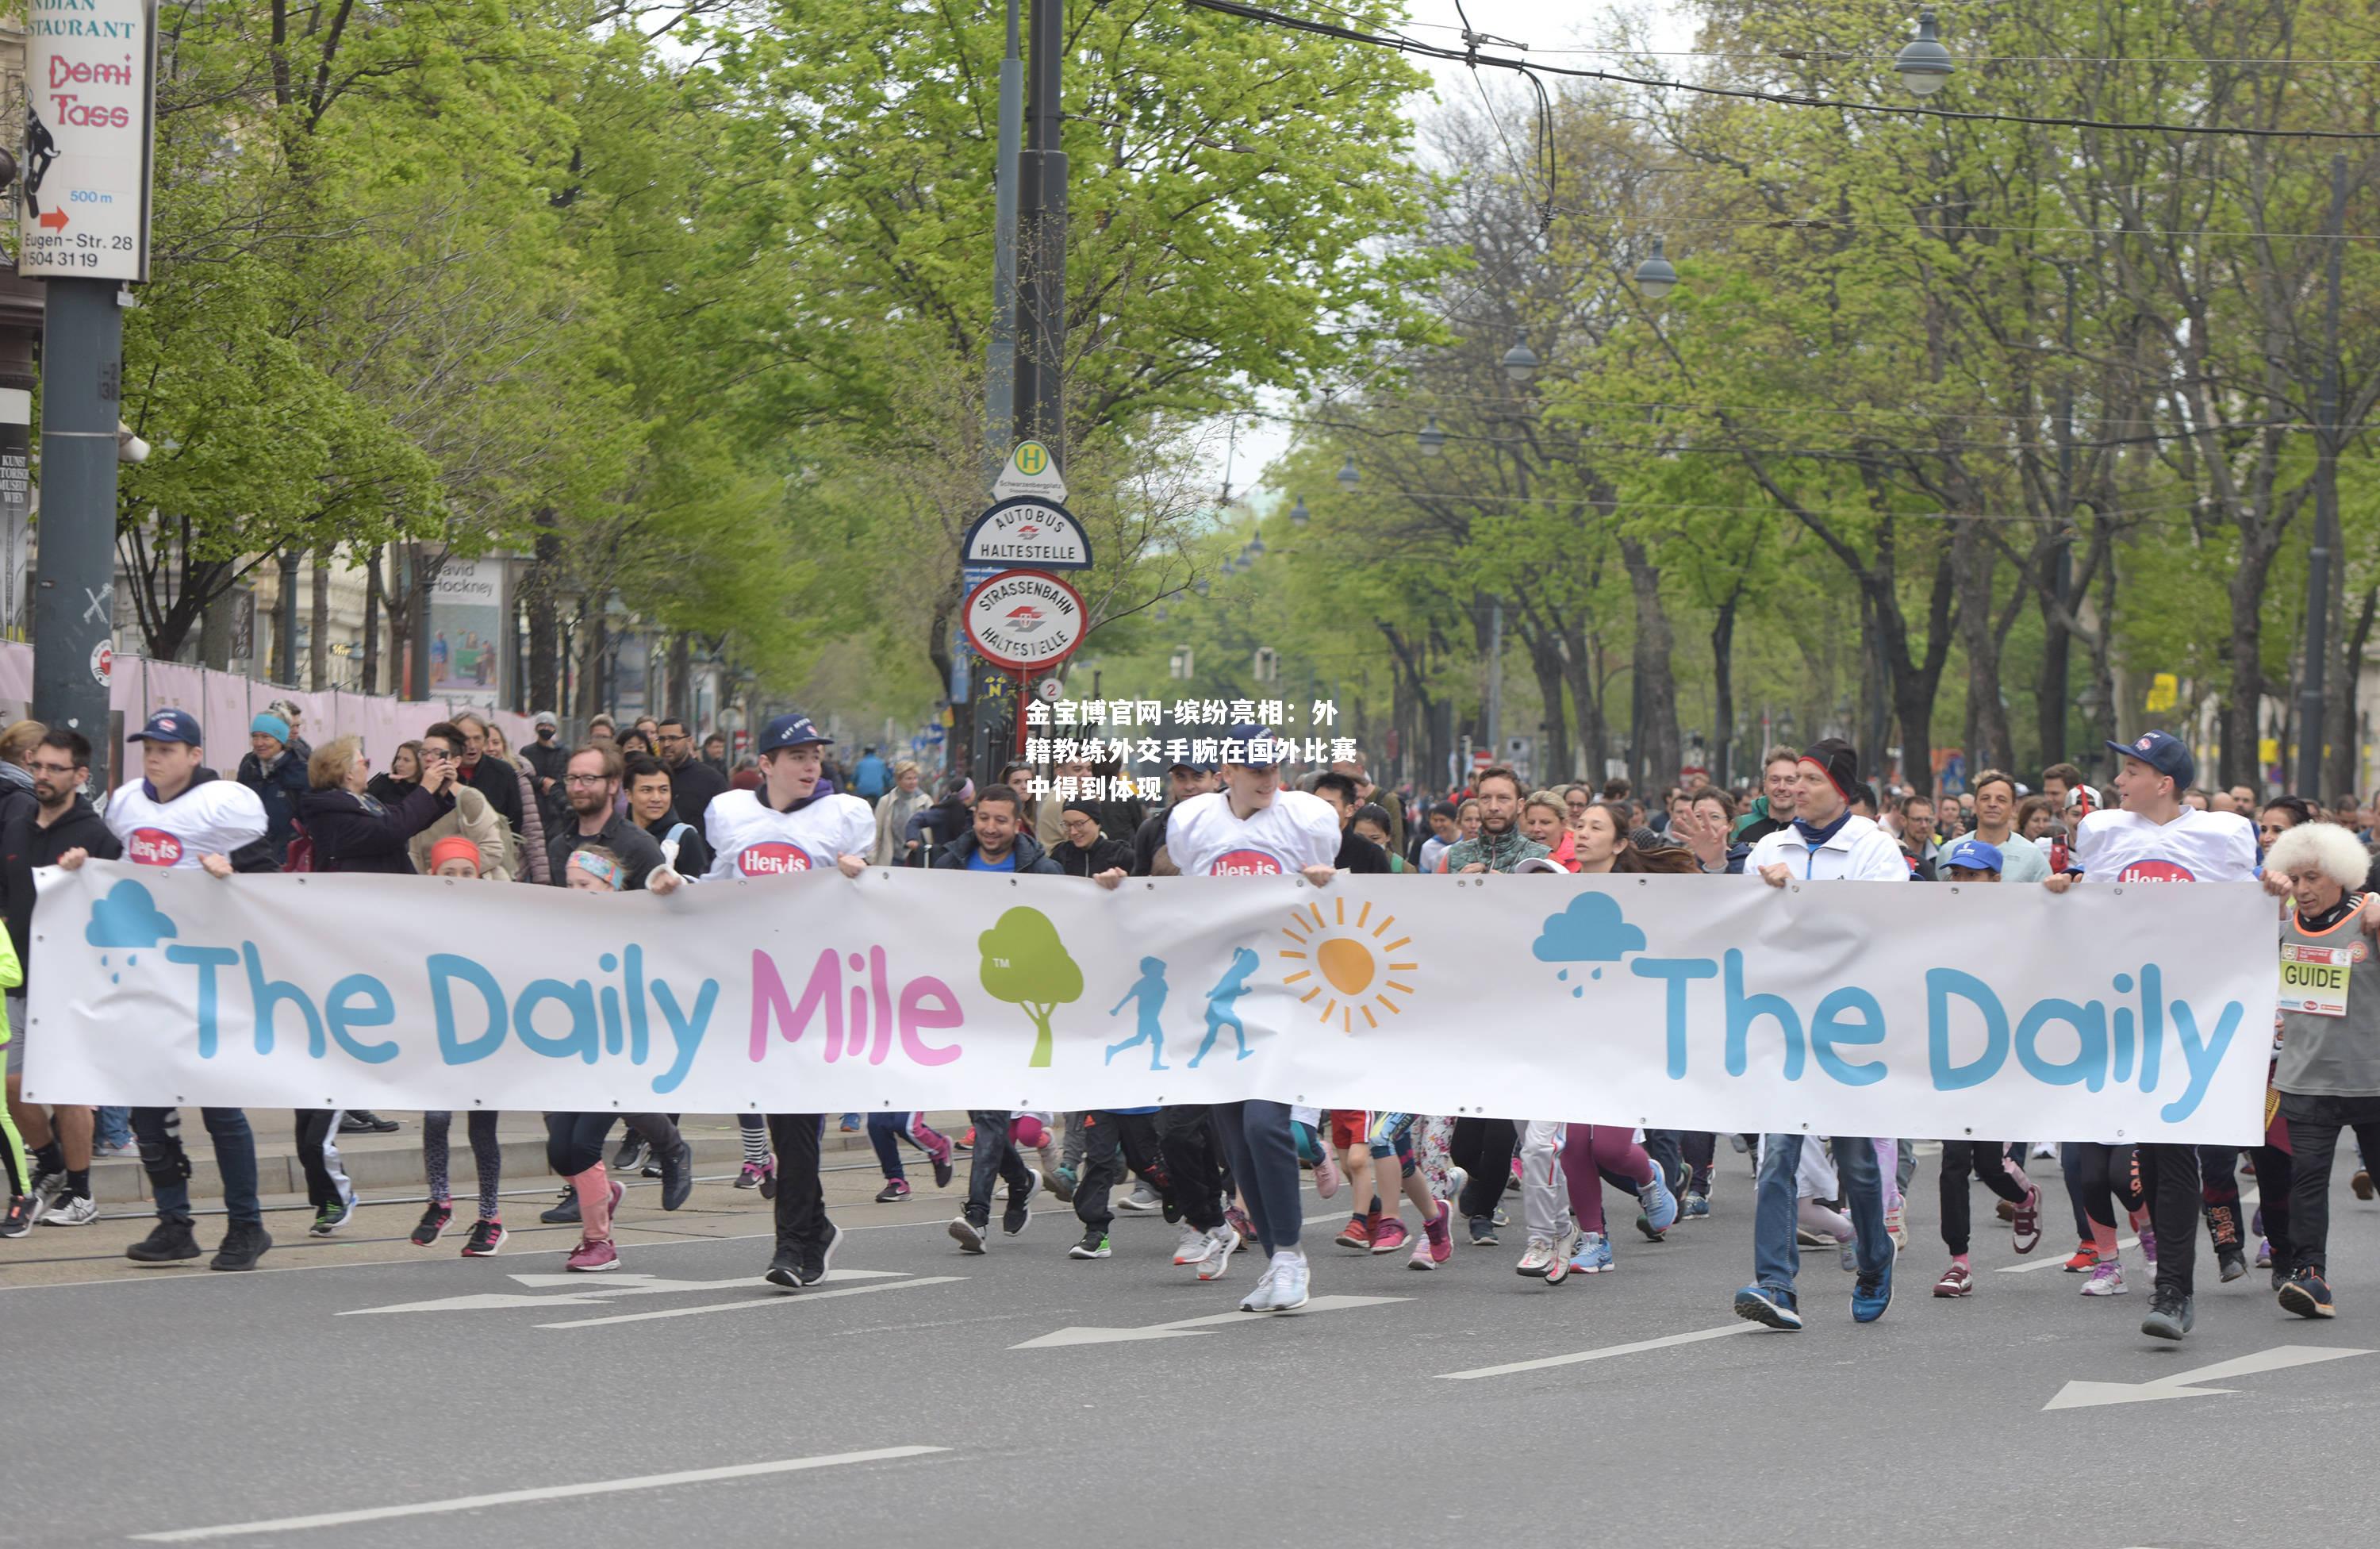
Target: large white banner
(1993, 1012)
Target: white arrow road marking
(545, 1493)
(1187, 1328)
(589, 1290)
(1739, 1326)
(774, 1299)
(2084, 1396)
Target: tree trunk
(1594, 732)
(372, 594)
(1974, 560)
(1913, 683)
(1722, 641)
(1655, 735)
(2052, 697)
(216, 625)
(1545, 661)
(318, 652)
(546, 615)
(2344, 728)
(2240, 713)
(681, 678)
(590, 663)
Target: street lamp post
(2326, 507)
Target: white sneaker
(1289, 1278)
(1457, 1180)
(1196, 1246)
(1259, 1297)
(76, 1209)
(1537, 1258)
(1223, 1242)
(1564, 1247)
(1142, 1199)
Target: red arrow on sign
(55, 220)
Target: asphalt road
(908, 1396)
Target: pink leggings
(1589, 1151)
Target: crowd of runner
(646, 809)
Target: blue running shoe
(1697, 1207)
(1871, 1294)
(1593, 1255)
(1760, 1305)
(1660, 1204)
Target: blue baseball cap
(1248, 734)
(1974, 855)
(793, 729)
(170, 726)
(2164, 752)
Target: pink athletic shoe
(1390, 1236)
(1327, 1176)
(1438, 1236)
(593, 1255)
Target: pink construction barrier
(224, 705)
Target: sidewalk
(379, 1163)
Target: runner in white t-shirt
(2150, 836)
(1253, 828)
(782, 828)
(182, 814)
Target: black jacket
(935, 827)
(499, 781)
(692, 785)
(25, 844)
(354, 833)
(1104, 855)
(387, 789)
(637, 850)
(1030, 859)
(1359, 855)
(280, 790)
(548, 761)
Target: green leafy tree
(1024, 964)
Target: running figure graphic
(1224, 1004)
(1150, 990)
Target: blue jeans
(1776, 1255)
(168, 1167)
(112, 1126)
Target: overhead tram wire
(1471, 58)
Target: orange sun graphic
(1356, 975)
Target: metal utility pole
(1000, 373)
(284, 633)
(1041, 298)
(2054, 654)
(986, 737)
(2326, 506)
(1495, 678)
(74, 593)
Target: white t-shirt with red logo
(1205, 839)
(2117, 845)
(750, 839)
(215, 818)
